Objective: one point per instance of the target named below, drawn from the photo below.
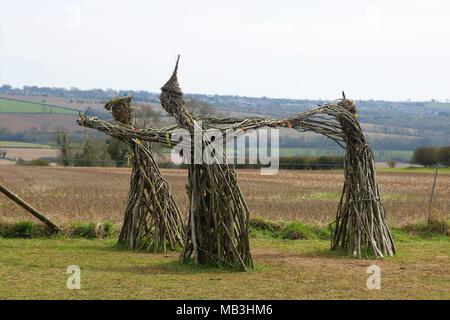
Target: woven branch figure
(360, 225)
(218, 214)
(121, 109)
(218, 223)
(152, 219)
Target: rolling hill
(394, 129)
(20, 106)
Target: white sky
(293, 49)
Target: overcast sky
(294, 49)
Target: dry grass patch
(99, 194)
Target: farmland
(99, 194)
(15, 122)
(285, 269)
(317, 152)
(18, 115)
(17, 106)
(18, 144)
(28, 154)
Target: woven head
(118, 101)
(172, 84)
(347, 104)
(121, 109)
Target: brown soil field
(99, 194)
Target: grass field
(285, 269)
(17, 106)
(18, 144)
(301, 269)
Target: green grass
(21, 229)
(295, 230)
(415, 170)
(19, 144)
(285, 269)
(435, 229)
(301, 231)
(29, 229)
(17, 106)
(92, 230)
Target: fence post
(432, 192)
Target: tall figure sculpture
(218, 222)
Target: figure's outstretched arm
(323, 120)
(127, 133)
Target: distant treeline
(28, 135)
(429, 156)
(114, 153)
(312, 163)
(39, 136)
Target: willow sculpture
(152, 219)
(360, 224)
(218, 223)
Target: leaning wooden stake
(29, 208)
(430, 203)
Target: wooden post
(432, 192)
(29, 208)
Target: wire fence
(169, 164)
(166, 163)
